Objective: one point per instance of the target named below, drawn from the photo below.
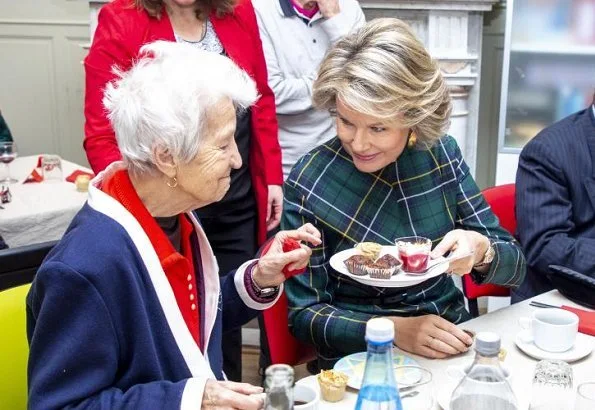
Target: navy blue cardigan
(105, 331)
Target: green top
(427, 193)
(5, 135)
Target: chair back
(502, 201)
(283, 347)
(19, 265)
(14, 348)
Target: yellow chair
(14, 348)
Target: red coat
(123, 29)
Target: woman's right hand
(430, 336)
(231, 396)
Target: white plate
(582, 347)
(401, 280)
(354, 365)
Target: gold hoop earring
(412, 139)
(172, 183)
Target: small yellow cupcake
(332, 385)
(369, 249)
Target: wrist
(487, 258)
(262, 291)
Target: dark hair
(203, 7)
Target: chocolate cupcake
(356, 264)
(383, 268)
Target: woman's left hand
(274, 206)
(461, 242)
(269, 270)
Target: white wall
(41, 75)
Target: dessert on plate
(383, 268)
(368, 262)
(369, 249)
(414, 251)
(355, 264)
(332, 385)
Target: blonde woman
(390, 172)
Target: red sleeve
(265, 116)
(108, 49)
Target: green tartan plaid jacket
(425, 192)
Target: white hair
(165, 97)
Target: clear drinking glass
(8, 152)
(552, 386)
(414, 252)
(51, 167)
(415, 387)
(585, 396)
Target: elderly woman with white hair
(391, 172)
(128, 309)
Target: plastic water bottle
(379, 389)
(484, 387)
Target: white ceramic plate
(401, 280)
(354, 365)
(582, 347)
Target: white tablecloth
(39, 212)
(505, 323)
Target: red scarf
(178, 268)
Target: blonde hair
(384, 71)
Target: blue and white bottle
(379, 388)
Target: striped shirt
(425, 192)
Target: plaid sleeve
(312, 317)
(473, 212)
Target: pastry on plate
(384, 268)
(370, 249)
(356, 264)
(332, 385)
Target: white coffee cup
(552, 330)
(458, 372)
(306, 394)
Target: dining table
(39, 211)
(505, 322)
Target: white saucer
(400, 280)
(582, 347)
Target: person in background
(5, 135)
(237, 224)
(295, 35)
(391, 172)
(128, 309)
(555, 201)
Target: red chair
(501, 199)
(283, 347)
